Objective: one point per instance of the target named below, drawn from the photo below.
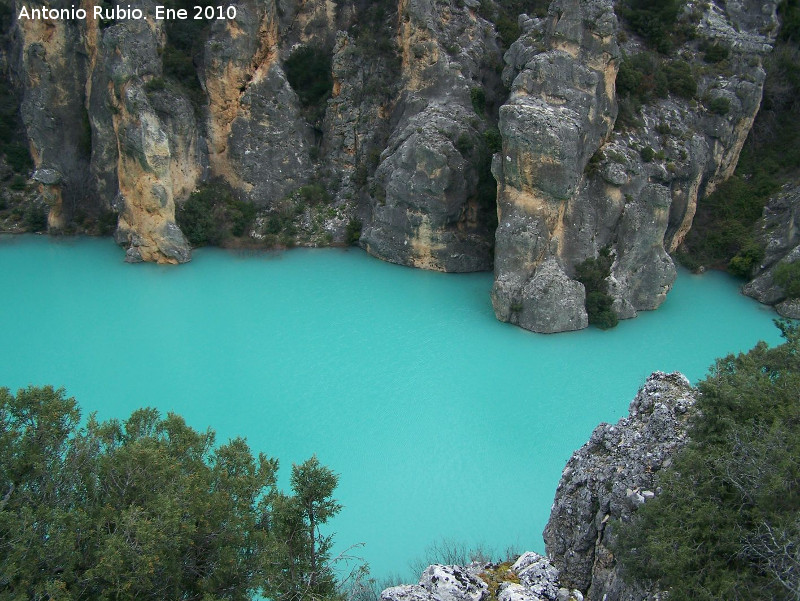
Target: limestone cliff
(428, 213)
(779, 231)
(571, 184)
(608, 478)
(381, 122)
(605, 480)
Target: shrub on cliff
(727, 523)
(654, 20)
(787, 275)
(211, 215)
(308, 70)
(150, 508)
(593, 274)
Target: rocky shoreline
(604, 481)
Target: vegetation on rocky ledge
(726, 525)
(722, 233)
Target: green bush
(654, 20)
(746, 260)
(680, 79)
(719, 105)
(504, 14)
(787, 276)
(647, 154)
(211, 215)
(353, 232)
(726, 523)
(35, 219)
(593, 274)
(716, 52)
(493, 140)
(789, 13)
(18, 182)
(313, 194)
(464, 144)
(478, 98)
(19, 157)
(308, 70)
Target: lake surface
(441, 421)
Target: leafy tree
(143, 508)
(303, 560)
(726, 525)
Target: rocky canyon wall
(423, 137)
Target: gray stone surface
(779, 232)
(570, 185)
(608, 478)
(425, 209)
(453, 583)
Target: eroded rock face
(779, 230)
(608, 478)
(399, 145)
(426, 211)
(144, 153)
(258, 141)
(51, 67)
(561, 108)
(570, 185)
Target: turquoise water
(442, 422)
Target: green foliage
(35, 219)
(464, 144)
(18, 157)
(9, 113)
(787, 276)
(149, 508)
(645, 76)
(478, 98)
(680, 80)
(211, 215)
(647, 154)
(719, 105)
(726, 525)
(353, 232)
(716, 52)
(308, 70)
(185, 42)
(654, 20)
(746, 259)
(504, 14)
(303, 558)
(493, 140)
(593, 274)
(18, 182)
(313, 194)
(789, 13)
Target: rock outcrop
(427, 211)
(779, 233)
(604, 481)
(569, 185)
(395, 143)
(608, 478)
(530, 578)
